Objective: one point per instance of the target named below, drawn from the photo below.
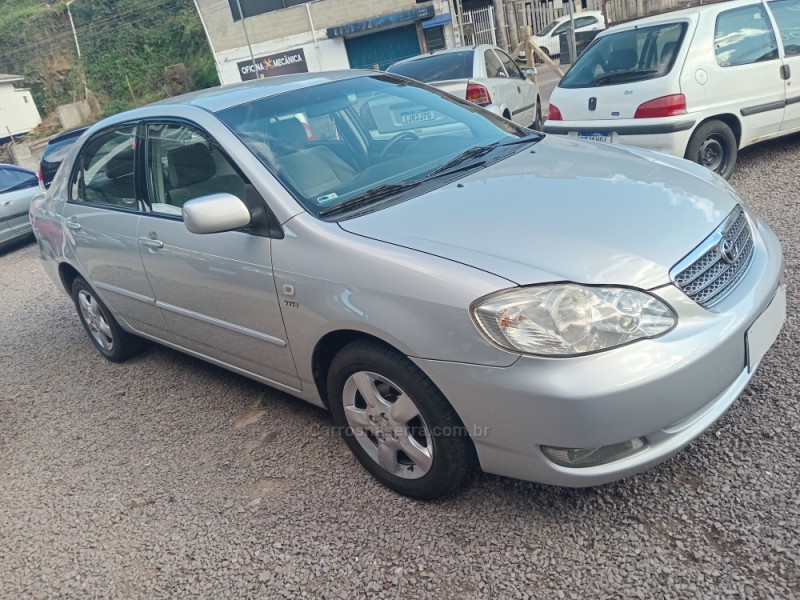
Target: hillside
(125, 46)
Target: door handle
(150, 242)
(73, 225)
(786, 72)
(7, 203)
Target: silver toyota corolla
(457, 290)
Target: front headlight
(566, 319)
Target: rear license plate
(763, 332)
(416, 116)
(595, 136)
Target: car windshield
(631, 55)
(437, 67)
(367, 137)
(550, 26)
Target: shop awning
(437, 21)
(393, 20)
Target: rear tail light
(478, 94)
(666, 106)
(554, 114)
(41, 176)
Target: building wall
(291, 29)
(18, 113)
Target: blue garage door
(382, 48)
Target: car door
(101, 218)
(216, 291)
(749, 76)
(787, 18)
(501, 90)
(523, 111)
(17, 189)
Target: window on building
(252, 8)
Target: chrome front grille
(723, 260)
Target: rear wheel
(397, 423)
(111, 340)
(714, 146)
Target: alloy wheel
(388, 425)
(95, 320)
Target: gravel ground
(165, 476)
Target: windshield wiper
(374, 195)
(624, 75)
(479, 151)
(452, 166)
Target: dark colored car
(56, 151)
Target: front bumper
(669, 135)
(667, 390)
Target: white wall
(18, 113)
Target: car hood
(563, 210)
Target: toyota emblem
(728, 251)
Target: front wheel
(714, 146)
(111, 340)
(397, 423)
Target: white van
(699, 83)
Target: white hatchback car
(549, 38)
(700, 83)
(482, 74)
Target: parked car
(465, 292)
(18, 186)
(699, 83)
(482, 74)
(549, 38)
(55, 152)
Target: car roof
(227, 96)
(675, 15)
(64, 135)
(583, 13)
(475, 48)
(11, 167)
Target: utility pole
(571, 39)
(74, 33)
(247, 38)
(78, 48)
(500, 16)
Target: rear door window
(438, 67)
(744, 36)
(493, 66)
(787, 16)
(105, 170)
(510, 66)
(632, 55)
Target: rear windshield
(632, 55)
(57, 149)
(437, 67)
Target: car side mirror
(215, 213)
(529, 72)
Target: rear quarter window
(633, 55)
(438, 67)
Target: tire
(537, 122)
(407, 436)
(109, 338)
(714, 146)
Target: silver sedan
(459, 291)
